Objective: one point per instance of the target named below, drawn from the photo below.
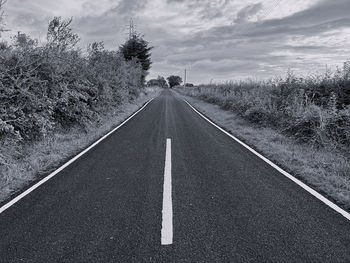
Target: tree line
(171, 81)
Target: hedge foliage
(315, 109)
(55, 85)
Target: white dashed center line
(167, 213)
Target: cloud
(266, 45)
(130, 7)
(246, 12)
(211, 38)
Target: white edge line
(32, 188)
(291, 177)
(167, 212)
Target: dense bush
(52, 86)
(315, 109)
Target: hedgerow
(314, 109)
(54, 86)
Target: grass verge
(327, 170)
(26, 163)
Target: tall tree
(137, 47)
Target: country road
(227, 205)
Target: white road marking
(291, 177)
(31, 189)
(167, 212)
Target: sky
(215, 40)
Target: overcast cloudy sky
(213, 39)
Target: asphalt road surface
(227, 204)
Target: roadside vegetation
(313, 110)
(301, 123)
(56, 99)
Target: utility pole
(185, 76)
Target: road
(228, 205)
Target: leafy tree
(174, 81)
(60, 34)
(162, 82)
(137, 47)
